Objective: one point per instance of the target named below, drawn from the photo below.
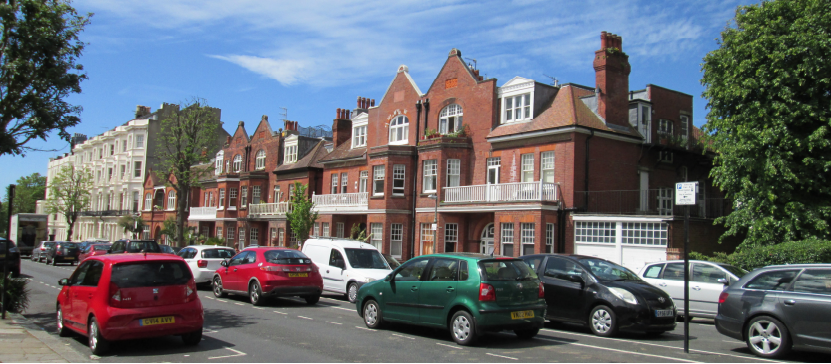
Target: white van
(346, 264)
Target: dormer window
(237, 163)
(260, 160)
(399, 130)
(291, 154)
(516, 100)
(665, 127)
(517, 108)
(450, 119)
(359, 136)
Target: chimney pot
(373, 102)
(338, 115)
(359, 102)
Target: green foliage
(769, 91)
(301, 218)
(214, 240)
(17, 295)
(459, 133)
(39, 47)
(29, 190)
(430, 133)
(169, 228)
(794, 252)
(356, 233)
(69, 194)
(132, 224)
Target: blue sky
(250, 58)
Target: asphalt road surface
(289, 330)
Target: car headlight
(624, 295)
(368, 279)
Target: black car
(14, 258)
(777, 308)
(135, 246)
(63, 252)
(606, 296)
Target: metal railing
(268, 209)
(341, 199)
(648, 202)
(502, 192)
(107, 213)
(207, 212)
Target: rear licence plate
(519, 315)
(69, 258)
(298, 275)
(157, 321)
(664, 313)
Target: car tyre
(312, 299)
(63, 331)
(255, 294)
(603, 321)
(192, 338)
(97, 343)
(764, 332)
(527, 334)
(373, 317)
(352, 292)
(32, 257)
(217, 288)
(463, 328)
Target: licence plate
(70, 258)
(298, 275)
(664, 313)
(157, 321)
(519, 315)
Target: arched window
(171, 200)
(237, 163)
(261, 159)
(218, 163)
(399, 130)
(148, 202)
(450, 119)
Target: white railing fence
(502, 192)
(269, 209)
(202, 212)
(341, 199)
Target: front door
(83, 291)
(438, 291)
(486, 241)
(673, 277)
(333, 274)
(69, 314)
(229, 276)
(563, 294)
(807, 307)
(246, 270)
(402, 302)
(705, 289)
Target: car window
(146, 246)
(287, 256)
(534, 262)
(674, 272)
(79, 274)
(366, 259)
(216, 253)
(444, 270)
(93, 274)
(411, 271)
(463, 271)
(738, 272)
(152, 273)
(118, 247)
(608, 271)
(816, 281)
(559, 268)
(101, 247)
(777, 280)
(707, 273)
(250, 258)
(237, 259)
(335, 258)
(184, 253)
(654, 271)
(506, 270)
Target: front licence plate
(664, 313)
(69, 258)
(298, 275)
(519, 315)
(157, 321)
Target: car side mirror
(388, 278)
(64, 282)
(724, 281)
(109, 251)
(224, 263)
(576, 278)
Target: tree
(769, 89)
(38, 49)
(29, 190)
(132, 224)
(69, 194)
(188, 138)
(169, 228)
(300, 217)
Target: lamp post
(435, 196)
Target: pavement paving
(24, 342)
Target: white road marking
(501, 356)
(450, 346)
(219, 300)
(238, 353)
(209, 297)
(406, 337)
(304, 317)
(341, 308)
(619, 351)
(259, 308)
(364, 328)
(282, 313)
(239, 304)
(337, 323)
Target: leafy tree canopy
(29, 189)
(301, 218)
(69, 194)
(769, 96)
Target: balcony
(202, 213)
(264, 210)
(107, 213)
(502, 192)
(648, 202)
(341, 202)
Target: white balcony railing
(502, 192)
(197, 213)
(268, 209)
(341, 202)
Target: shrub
(794, 252)
(17, 295)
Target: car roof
(476, 256)
(209, 246)
(573, 256)
(135, 257)
(340, 242)
(804, 265)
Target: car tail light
(58, 252)
(542, 291)
(190, 291)
(722, 297)
(115, 295)
(202, 263)
(486, 292)
(271, 268)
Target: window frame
(378, 172)
(260, 160)
(454, 173)
(359, 136)
(450, 114)
(527, 167)
(399, 123)
(399, 172)
(429, 175)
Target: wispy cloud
(287, 71)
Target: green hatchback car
(467, 293)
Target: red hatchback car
(130, 296)
(265, 272)
(93, 250)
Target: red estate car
(93, 250)
(130, 296)
(265, 272)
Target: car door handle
(696, 288)
(662, 284)
(235, 269)
(327, 271)
(790, 302)
(414, 288)
(450, 289)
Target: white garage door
(628, 243)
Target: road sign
(685, 193)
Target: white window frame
(219, 231)
(644, 233)
(547, 167)
(399, 123)
(454, 171)
(451, 236)
(316, 228)
(232, 198)
(148, 202)
(377, 235)
(218, 162)
(430, 174)
(684, 124)
(137, 169)
(527, 164)
(595, 232)
(171, 200)
(241, 238)
(396, 239)
(260, 160)
(451, 114)
(253, 236)
(665, 201)
(665, 127)
(344, 182)
(549, 238)
(378, 175)
(237, 163)
(359, 136)
(255, 194)
(335, 186)
(665, 156)
(139, 141)
(243, 197)
(527, 236)
(325, 228)
(221, 199)
(363, 181)
(506, 236)
(231, 234)
(517, 107)
(398, 179)
(339, 229)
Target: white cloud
(286, 71)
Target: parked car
(38, 254)
(266, 272)
(167, 249)
(92, 250)
(346, 264)
(603, 295)
(393, 263)
(130, 296)
(467, 293)
(777, 308)
(707, 280)
(134, 246)
(84, 244)
(63, 252)
(204, 260)
(14, 257)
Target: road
(289, 330)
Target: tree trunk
(71, 224)
(181, 216)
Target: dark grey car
(776, 308)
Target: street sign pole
(6, 256)
(685, 195)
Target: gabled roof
(457, 55)
(406, 71)
(241, 133)
(310, 160)
(345, 151)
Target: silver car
(204, 260)
(707, 280)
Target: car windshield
(140, 246)
(394, 263)
(102, 247)
(166, 249)
(218, 253)
(366, 259)
(153, 273)
(608, 271)
(506, 270)
(287, 256)
(738, 272)
(69, 245)
(49, 245)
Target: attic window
(291, 154)
(517, 107)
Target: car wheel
(97, 343)
(352, 292)
(63, 331)
(255, 294)
(527, 334)
(33, 258)
(463, 328)
(373, 318)
(603, 321)
(217, 286)
(312, 299)
(768, 337)
(192, 338)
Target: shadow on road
(665, 337)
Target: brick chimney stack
(290, 125)
(611, 67)
(341, 127)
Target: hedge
(794, 252)
(17, 294)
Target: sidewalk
(21, 341)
